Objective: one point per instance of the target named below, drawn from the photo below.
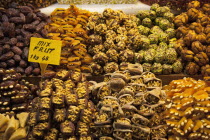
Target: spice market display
(187, 109)
(68, 25)
(193, 33)
(105, 87)
(17, 25)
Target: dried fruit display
(36, 3)
(68, 25)
(15, 94)
(157, 41)
(14, 127)
(187, 109)
(62, 108)
(176, 4)
(17, 25)
(113, 39)
(97, 1)
(130, 105)
(193, 29)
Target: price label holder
(44, 52)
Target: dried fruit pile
(36, 3)
(158, 54)
(187, 113)
(63, 108)
(173, 4)
(193, 35)
(15, 94)
(69, 25)
(12, 128)
(96, 1)
(130, 106)
(113, 38)
(17, 25)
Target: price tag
(44, 51)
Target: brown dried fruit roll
(201, 59)
(192, 68)
(193, 14)
(187, 55)
(181, 19)
(205, 70)
(197, 47)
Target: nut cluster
(17, 25)
(130, 105)
(14, 127)
(187, 109)
(62, 108)
(158, 54)
(36, 3)
(15, 94)
(193, 33)
(113, 38)
(68, 25)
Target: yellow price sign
(44, 51)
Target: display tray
(166, 79)
(127, 8)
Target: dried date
(17, 58)
(6, 56)
(19, 70)
(36, 71)
(25, 9)
(16, 20)
(17, 50)
(3, 65)
(10, 62)
(28, 70)
(13, 41)
(23, 64)
(4, 18)
(6, 48)
(12, 12)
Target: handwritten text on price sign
(45, 51)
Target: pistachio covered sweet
(160, 38)
(157, 68)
